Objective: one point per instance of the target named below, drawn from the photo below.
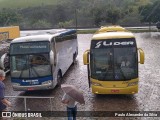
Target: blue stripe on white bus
(31, 81)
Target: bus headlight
(132, 84)
(47, 82)
(96, 84)
(16, 84)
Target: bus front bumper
(35, 87)
(104, 90)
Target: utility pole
(76, 3)
(76, 17)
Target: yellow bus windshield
(114, 60)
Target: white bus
(38, 62)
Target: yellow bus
(112, 61)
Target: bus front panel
(24, 84)
(30, 66)
(113, 62)
(117, 87)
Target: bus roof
(43, 37)
(33, 38)
(112, 35)
(114, 28)
(112, 32)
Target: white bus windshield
(30, 66)
(114, 62)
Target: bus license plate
(115, 91)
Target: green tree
(150, 12)
(65, 24)
(9, 17)
(113, 15)
(97, 14)
(40, 24)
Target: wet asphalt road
(148, 98)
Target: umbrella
(73, 92)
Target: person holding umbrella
(71, 97)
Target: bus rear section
(113, 63)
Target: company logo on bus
(105, 43)
(32, 82)
(36, 80)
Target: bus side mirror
(51, 57)
(141, 56)
(86, 57)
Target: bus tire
(74, 58)
(59, 78)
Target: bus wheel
(59, 79)
(74, 58)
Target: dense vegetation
(31, 14)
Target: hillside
(33, 3)
(27, 3)
(30, 14)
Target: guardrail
(30, 97)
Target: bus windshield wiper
(22, 71)
(32, 68)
